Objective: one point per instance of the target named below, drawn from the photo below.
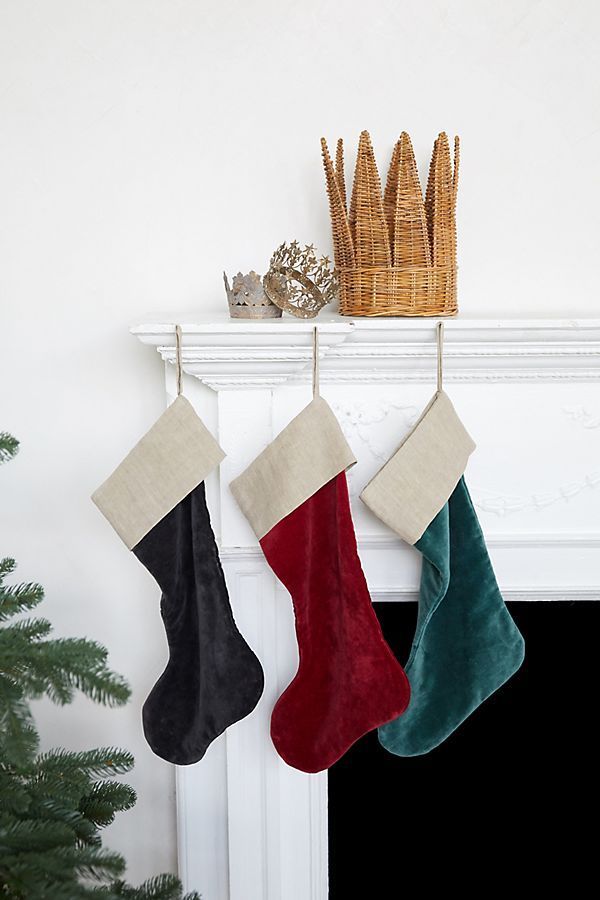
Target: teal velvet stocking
(466, 644)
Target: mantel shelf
(233, 354)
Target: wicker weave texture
(395, 252)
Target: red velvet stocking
(348, 680)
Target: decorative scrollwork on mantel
(356, 417)
(582, 416)
(502, 505)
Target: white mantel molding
(513, 544)
(506, 540)
(542, 594)
(225, 353)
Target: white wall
(147, 145)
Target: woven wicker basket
(395, 254)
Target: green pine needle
(32, 836)
(106, 799)
(93, 862)
(59, 668)
(18, 734)
(162, 887)
(17, 598)
(24, 630)
(9, 446)
(7, 567)
(98, 763)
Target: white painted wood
(233, 354)
(251, 828)
(202, 823)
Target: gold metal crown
(299, 282)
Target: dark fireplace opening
(522, 770)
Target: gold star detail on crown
(299, 282)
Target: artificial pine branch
(24, 631)
(9, 446)
(163, 887)
(34, 836)
(101, 762)
(106, 799)
(18, 735)
(19, 597)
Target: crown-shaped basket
(395, 254)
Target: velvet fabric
(466, 644)
(348, 681)
(212, 678)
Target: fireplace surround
(249, 827)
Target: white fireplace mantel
(225, 353)
(251, 828)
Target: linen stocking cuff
(413, 486)
(307, 454)
(172, 458)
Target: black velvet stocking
(213, 678)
